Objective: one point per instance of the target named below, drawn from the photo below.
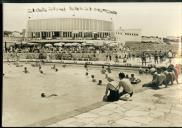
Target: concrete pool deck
(151, 108)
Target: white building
(127, 35)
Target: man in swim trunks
(116, 90)
(157, 80)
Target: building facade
(127, 35)
(69, 28)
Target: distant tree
(6, 33)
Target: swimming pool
(23, 105)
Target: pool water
(22, 101)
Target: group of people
(157, 56)
(115, 89)
(163, 76)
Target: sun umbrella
(59, 44)
(75, 44)
(68, 44)
(112, 44)
(48, 45)
(88, 44)
(31, 44)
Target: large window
(55, 34)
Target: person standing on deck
(156, 57)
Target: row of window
(131, 34)
(69, 34)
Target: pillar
(40, 35)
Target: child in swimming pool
(133, 80)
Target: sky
(154, 19)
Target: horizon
(154, 19)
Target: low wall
(58, 56)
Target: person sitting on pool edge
(171, 68)
(114, 88)
(126, 85)
(133, 80)
(152, 69)
(169, 78)
(158, 79)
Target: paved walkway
(161, 107)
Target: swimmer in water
(40, 70)
(64, 65)
(43, 95)
(40, 67)
(86, 73)
(141, 71)
(126, 76)
(86, 66)
(56, 70)
(25, 70)
(100, 82)
(103, 71)
(93, 78)
(54, 66)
